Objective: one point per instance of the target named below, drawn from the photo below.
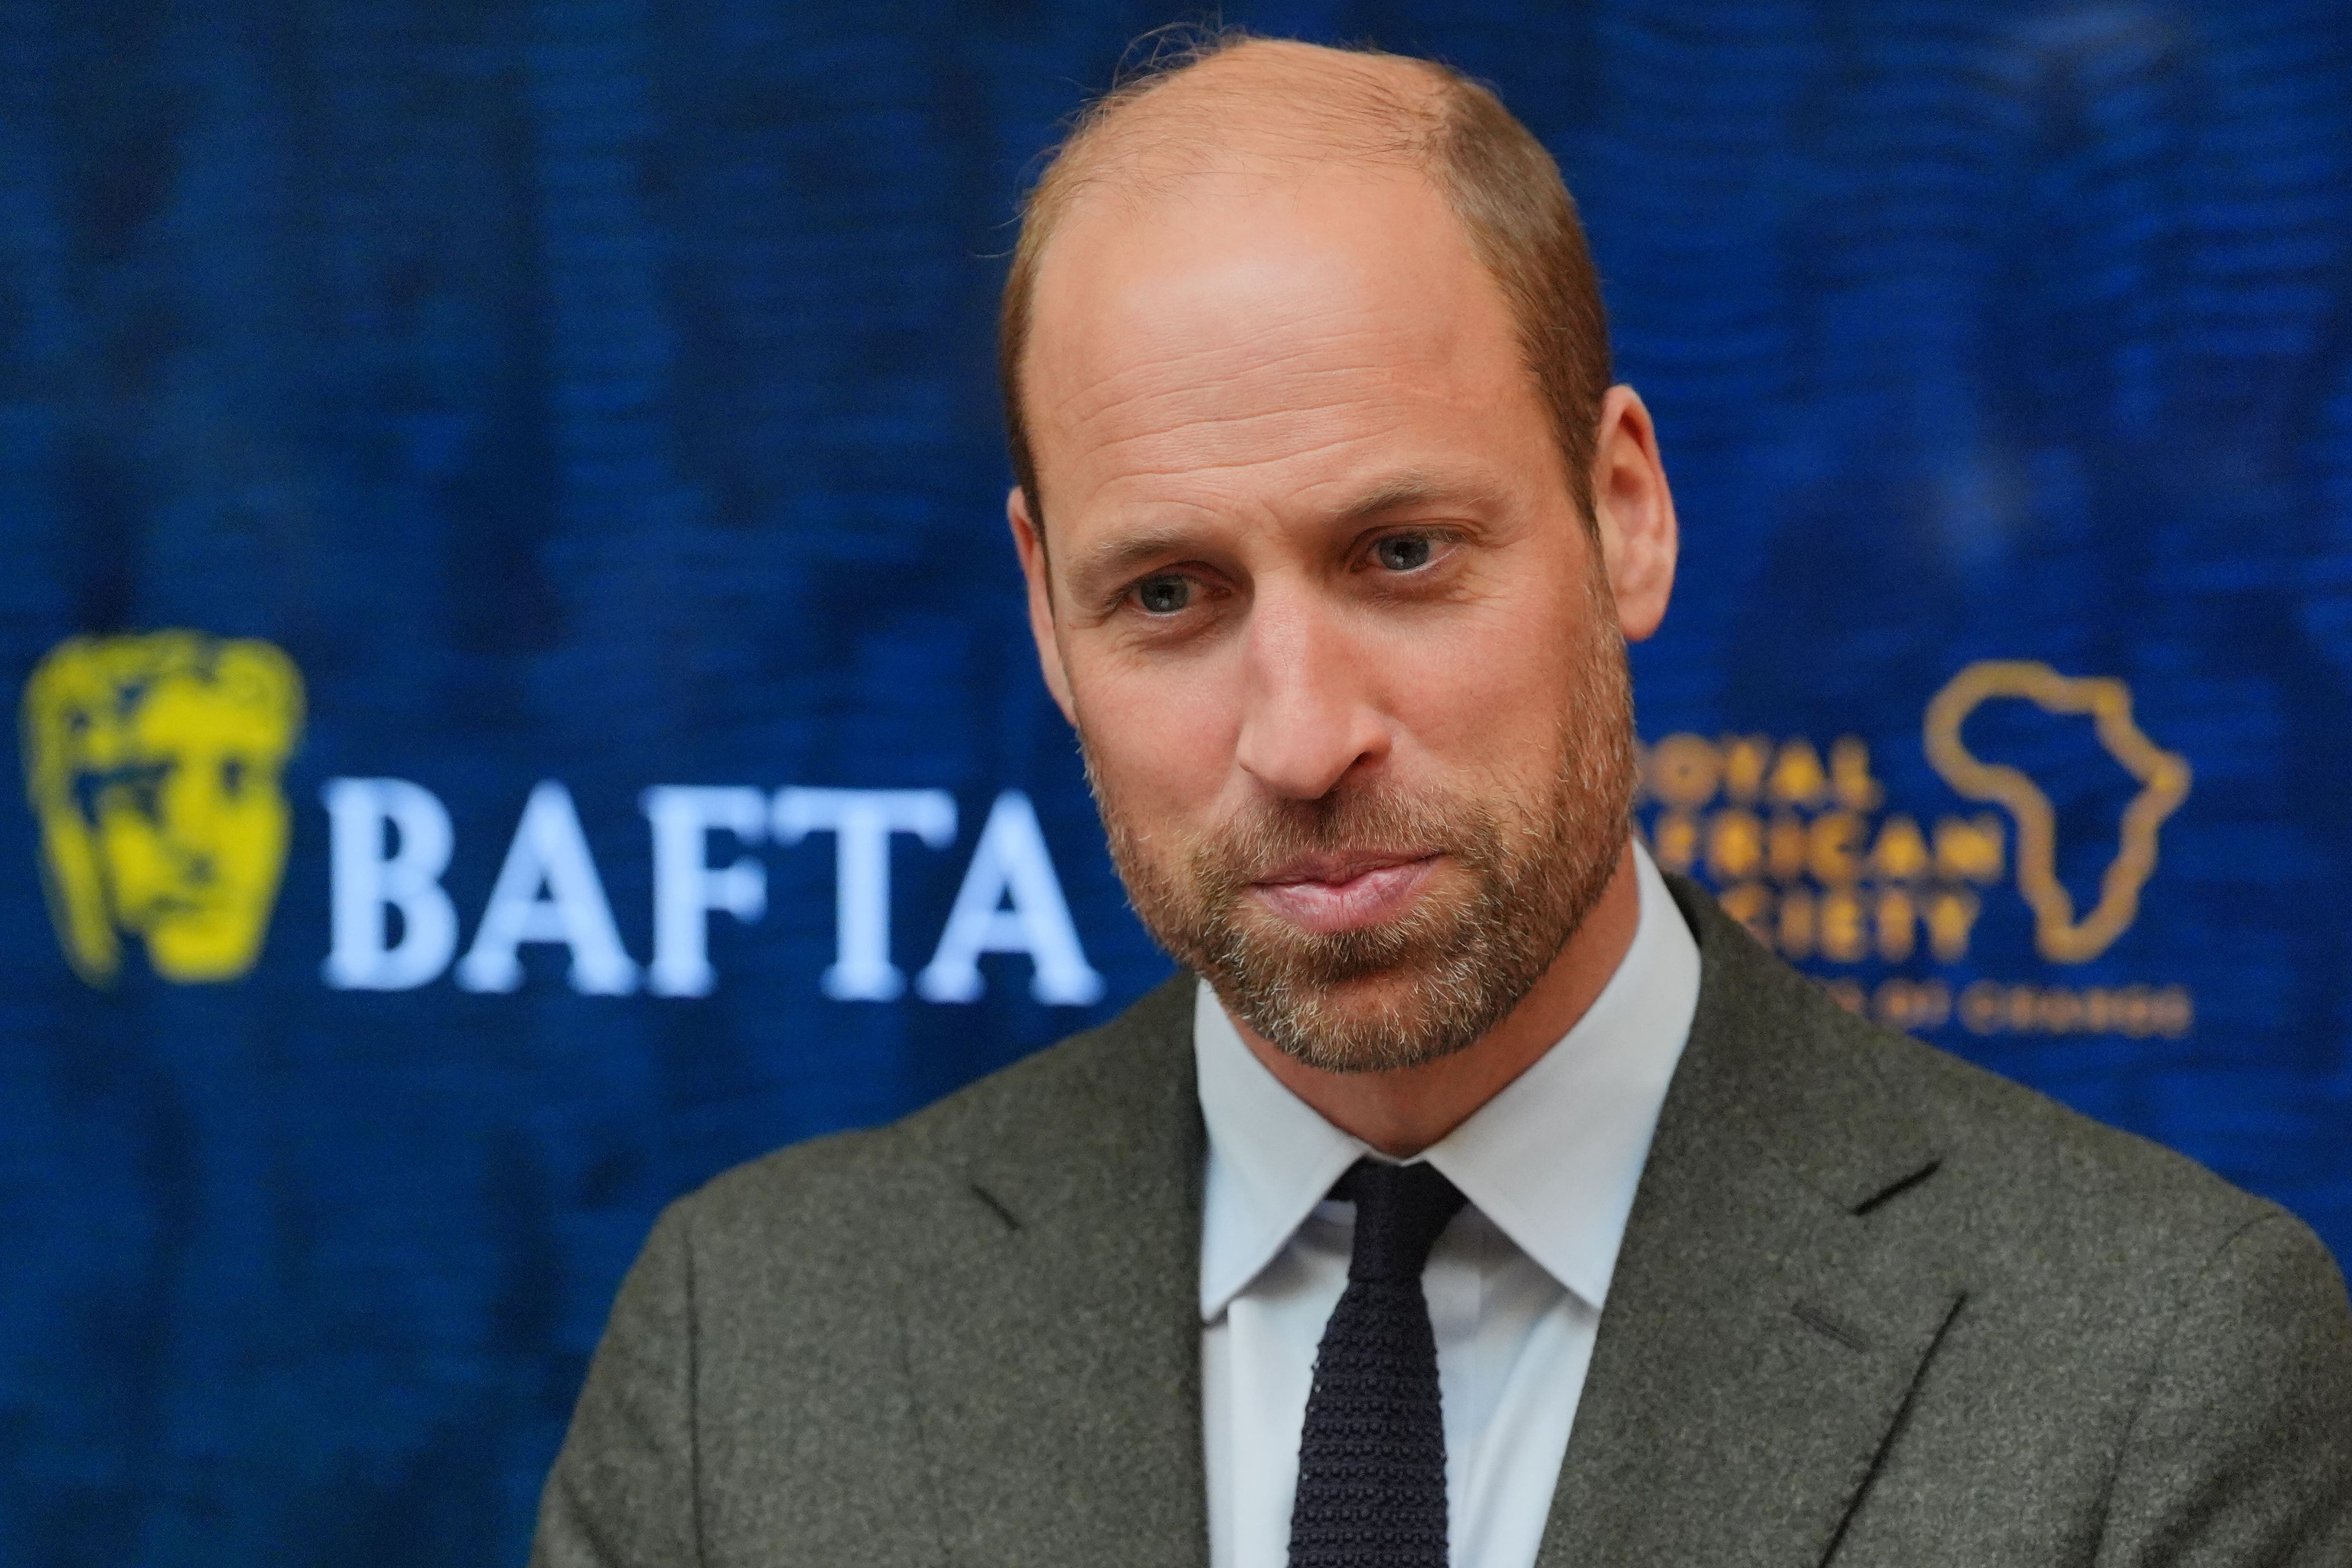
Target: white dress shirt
(1515, 1284)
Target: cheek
(1160, 737)
(1489, 691)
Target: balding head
(1237, 107)
(1270, 105)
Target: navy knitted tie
(1371, 1459)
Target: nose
(1310, 713)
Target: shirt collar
(1553, 1160)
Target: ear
(1635, 512)
(1032, 547)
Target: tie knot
(1400, 1210)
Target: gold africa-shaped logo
(2163, 778)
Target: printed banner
(525, 700)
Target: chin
(1383, 1022)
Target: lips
(1344, 890)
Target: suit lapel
(1054, 1339)
(1761, 1337)
(1758, 1343)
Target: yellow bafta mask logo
(2163, 777)
(153, 763)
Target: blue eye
(1405, 551)
(1163, 595)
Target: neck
(1402, 1112)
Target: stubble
(1523, 865)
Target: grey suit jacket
(1873, 1307)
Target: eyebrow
(1415, 488)
(1112, 562)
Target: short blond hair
(1368, 105)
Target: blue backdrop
(428, 427)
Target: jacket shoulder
(2066, 1207)
(1046, 1107)
(2014, 1172)
(2042, 1152)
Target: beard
(1522, 867)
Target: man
(1487, 1198)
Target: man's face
(1314, 590)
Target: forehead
(1253, 324)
